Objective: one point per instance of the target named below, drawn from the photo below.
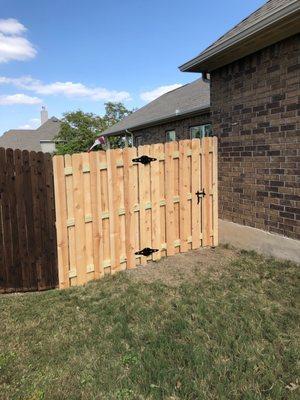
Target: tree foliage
(79, 130)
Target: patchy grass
(223, 333)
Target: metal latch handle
(200, 195)
(144, 159)
(146, 252)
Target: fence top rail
(143, 147)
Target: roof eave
(285, 22)
(169, 118)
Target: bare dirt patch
(184, 267)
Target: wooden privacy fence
(28, 258)
(109, 206)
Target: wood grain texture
(113, 207)
(28, 257)
(196, 185)
(155, 151)
(130, 192)
(61, 221)
(184, 146)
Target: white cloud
(33, 123)
(68, 89)
(13, 45)
(11, 26)
(19, 98)
(159, 91)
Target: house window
(201, 131)
(170, 136)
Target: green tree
(115, 112)
(79, 130)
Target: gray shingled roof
(186, 99)
(29, 139)
(254, 22)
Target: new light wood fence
(109, 207)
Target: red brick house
(254, 74)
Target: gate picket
(196, 185)
(156, 150)
(108, 206)
(170, 193)
(130, 192)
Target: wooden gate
(110, 206)
(28, 258)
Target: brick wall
(157, 134)
(255, 112)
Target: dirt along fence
(28, 256)
(123, 207)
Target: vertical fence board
(29, 215)
(99, 273)
(170, 221)
(183, 194)
(87, 209)
(143, 171)
(162, 196)
(113, 204)
(105, 212)
(95, 213)
(155, 201)
(3, 260)
(130, 189)
(50, 216)
(15, 266)
(204, 200)
(80, 237)
(196, 227)
(207, 199)
(61, 221)
(120, 209)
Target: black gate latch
(146, 252)
(144, 159)
(199, 195)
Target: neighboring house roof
(29, 139)
(188, 99)
(274, 21)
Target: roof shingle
(29, 139)
(186, 99)
(268, 14)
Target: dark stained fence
(28, 255)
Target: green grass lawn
(226, 332)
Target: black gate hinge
(144, 159)
(199, 195)
(146, 252)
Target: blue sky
(74, 54)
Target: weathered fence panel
(28, 258)
(109, 207)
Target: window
(201, 131)
(170, 136)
